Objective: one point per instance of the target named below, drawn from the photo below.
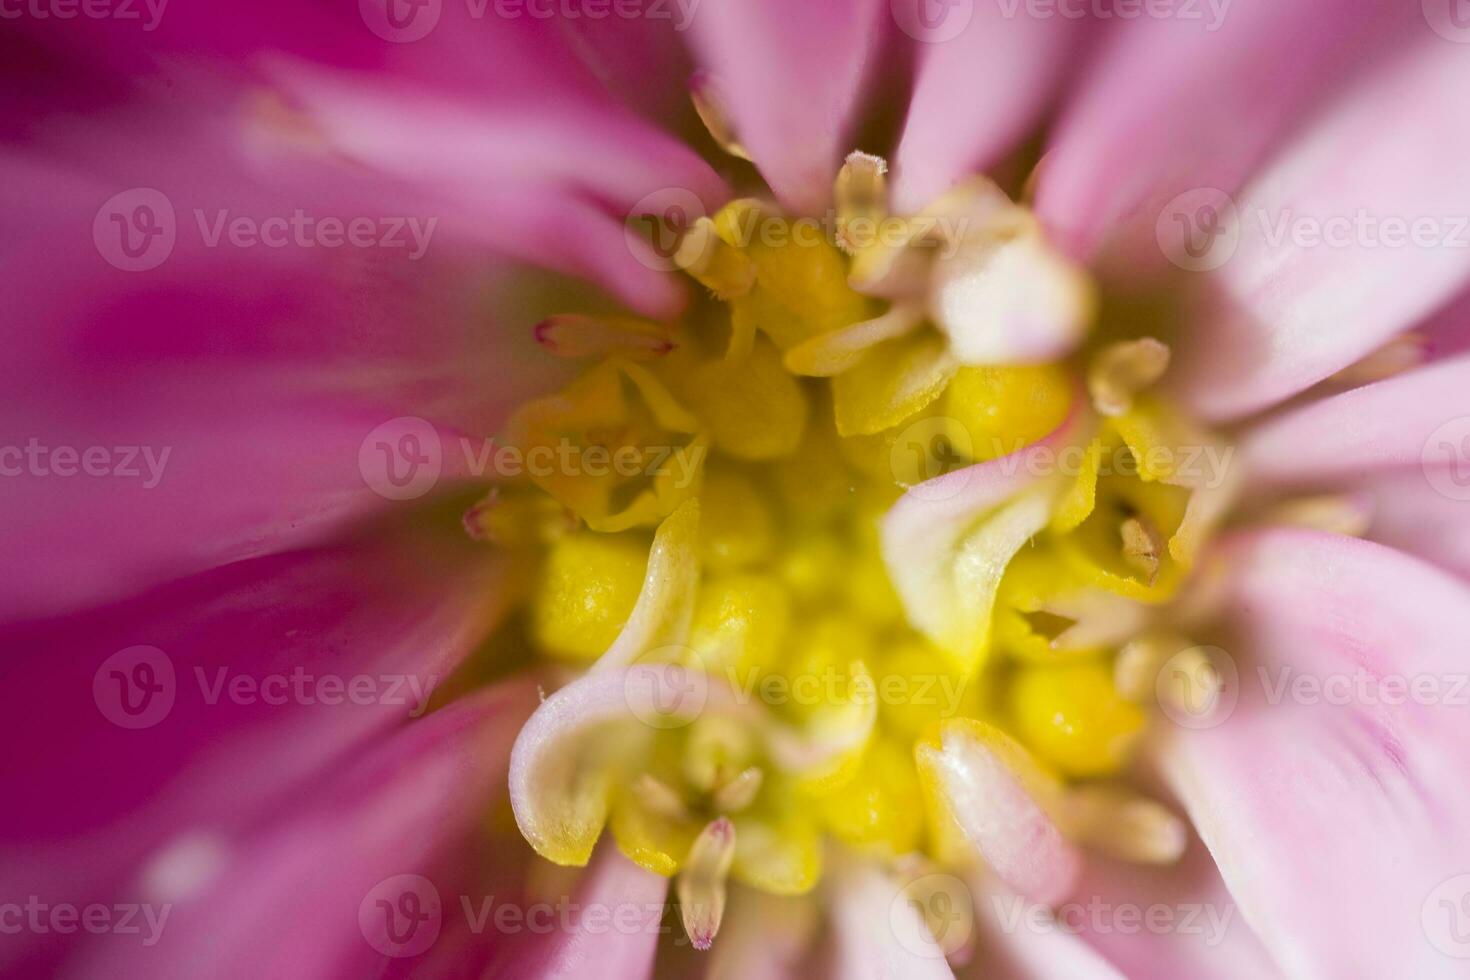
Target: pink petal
(877, 934)
(1387, 425)
(1174, 103)
(1287, 313)
(304, 896)
(790, 75)
(1334, 818)
(1413, 515)
(764, 937)
(1003, 818)
(1011, 68)
(614, 931)
(231, 730)
(1204, 934)
(261, 371)
(1022, 940)
(924, 530)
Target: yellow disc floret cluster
(714, 496)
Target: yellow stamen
(1122, 370)
(701, 886)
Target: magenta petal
(1339, 772)
(1387, 425)
(1290, 308)
(201, 705)
(975, 97)
(1174, 103)
(360, 878)
(789, 75)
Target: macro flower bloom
(899, 489)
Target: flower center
(709, 498)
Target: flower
(973, 487)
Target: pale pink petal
(310, 894)
(790, 75)
(1381, 426)
(764, 937)
(1286, 310)
(877, 933)
(1188, 925)
(947, 586)
(976, 95)
(558, 788)
(1024, 940)
(1412, 514)
(1174, 103)
(613, 932)
(1354, 791)
(1003, 814)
